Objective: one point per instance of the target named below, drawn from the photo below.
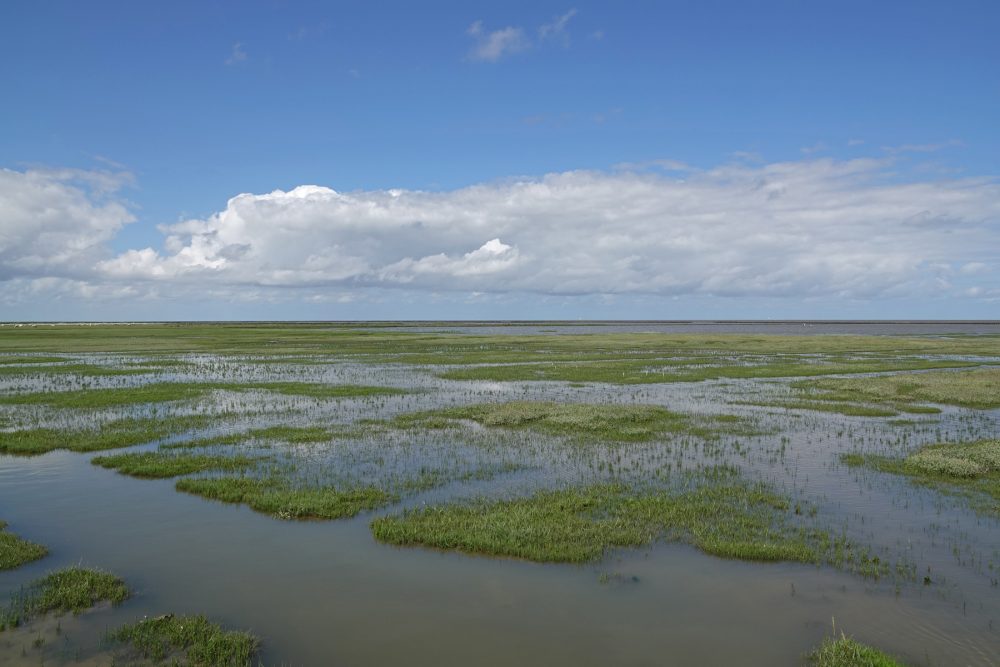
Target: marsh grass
(619, 371)
(16, 551)
(279, 498)
(607, 422)
(846, 652)
(112, 435)
(277, 340)
(72, 589)
(294, 435)
(846, 409)
(971, 389)
(84, 370)
(964, 468)
(725, 517)
(190, 640)
(161, 464)
(20, 359)
(162, 392)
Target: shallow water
(324, 592)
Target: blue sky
(179, 107)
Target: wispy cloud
(556, 29)
(922, 148)
(238, 55)
(493, 45)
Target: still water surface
(325, 593)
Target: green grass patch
(970, 468)
(971, 389)
(610, 422)
(847, 409)
(189, 640)
(18, 360)
(729, 518)
(113, 435)
(620, 371)
(294, 435)
(16, 551)
(280, 499)
(163, 464)
(846, 652)
(72, 589)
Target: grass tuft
(846, 652)
(200, 642)
(16, 551)
(72, 589)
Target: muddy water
(325, 593)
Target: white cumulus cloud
(812, 228)
(806, 228)
(57, 222)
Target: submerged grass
(163, 464)
(846, 652)
(182, 391)
(969, 468)
(277, 497)
(623, 423)
(16, 551)
(726, 517)
(190, 640)
(294, 435)
(72, 589)
(85, 370)
(113, 435)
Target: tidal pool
(326, 592)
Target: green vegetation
(112, 435)
(86, 370)
(109, 398)
(847, 409)
(846, 652)
(624, 423)
(726, 517)
(190, 640)
(294, 435)
(970, 468)
(163, 464)
(280, 499)
(972, 389)
(619, 371)
(182, 391)
(319, 390)
(72, 589)
(21, 359)
(16, 551)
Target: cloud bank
(815, 228)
